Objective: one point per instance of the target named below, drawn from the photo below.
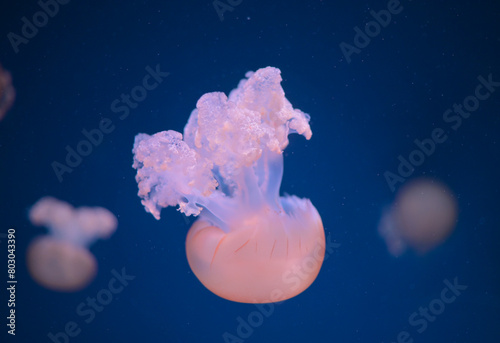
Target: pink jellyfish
(61, 261)
(249, 244)
(7, 92)
(423, 215)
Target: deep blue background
(364, 114)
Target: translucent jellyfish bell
(249, 244)
(59, 265)
(7, 92)
(423, 215)
(61, 261)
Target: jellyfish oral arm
(236, 143)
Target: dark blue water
(365, 113)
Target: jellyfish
(422, 217)
(248, 244)
(7, 92)
(61, 261)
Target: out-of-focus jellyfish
(61, 261)
(249, 244)
(7, 92)
(423, 215)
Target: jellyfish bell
(249, 244)
(7, 92)
(422, 217)
(426, 214)
(268, 256)
(60, 266)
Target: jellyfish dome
(422, 216)
(249, 244)
(60, 266)
(61, 261)
(7, 92)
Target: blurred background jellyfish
(249, 244)
(7, 92)
(61, 261)
(423, 215)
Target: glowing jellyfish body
(422, 216)
(248, 245)
(58, 265)
(61, 261)
(7, 92)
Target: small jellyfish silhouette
(249, 244)
(61, 261)
(422, 217)
(7, 92)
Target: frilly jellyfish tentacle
(80, 227)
